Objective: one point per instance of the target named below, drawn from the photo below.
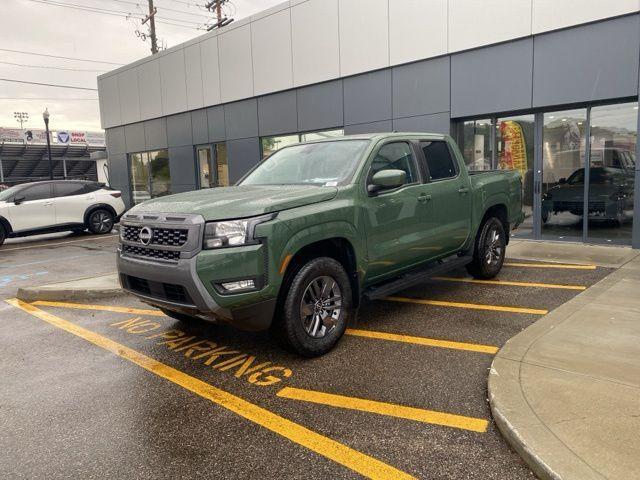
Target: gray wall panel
(373, 127)
(134, 137)
(241, 119)
(215, 124)
(182, 188)
(278, 113)
(119, 175)
(182, 166)
(367, 97)
(242, 154)
(200, 127)
(592, 62)
(179, 130)
(320, 106)
(435, 123)
(421, 88)
(155, 132)
(115, 140)
(492, 79)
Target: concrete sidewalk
(566, 391)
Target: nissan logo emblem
(145, 235)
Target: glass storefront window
(515, 151)
(563, 154)
(612, 164)
(273, 144)
(150, 175)
(204, 167)
(222, 164)
(476, 144)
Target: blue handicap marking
(7, 279)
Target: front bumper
(189, 282)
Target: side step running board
(409, 279)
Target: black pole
(46, 125)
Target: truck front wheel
(489, 252)
(317, 307)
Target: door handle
(463, 190)
(424, 198)
(46, 204)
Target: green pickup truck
(315, 228)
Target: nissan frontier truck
(313, 230)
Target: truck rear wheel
(317, 308)
(489, 252)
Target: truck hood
(238, 201)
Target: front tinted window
(395, 156)
(439, 161)
(313, 163)
(68, 189)
(10, 193)
(37, 192)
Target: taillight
(116, 194)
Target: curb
(79, 289)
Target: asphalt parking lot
(115, 388)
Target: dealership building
(547, 87)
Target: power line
(116, 13)
(161, 7)
(48, 84)
(54, 68)
(62, 58)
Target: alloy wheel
(320, 306)
(493, 248)
(102, 222)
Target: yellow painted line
(472, 306)
(511, 284)
(103, 308)
(389, 409)
(551, 265)
(331, 449)
(428, 342)
(90, 239)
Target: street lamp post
(45, 116)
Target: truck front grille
(161, 291)
(153, 253)
(173, 237)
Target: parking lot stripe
(101, 237)
(428, 342)
(472, 306)
(509, 283)
(389, 409)
(331, 449)
(104, 308)
(550, 265)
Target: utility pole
(216, 5)
(152, 27)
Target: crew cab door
(450, 191)
(394, 219)
(32, 208)
(72, 200)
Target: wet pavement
(100, 390)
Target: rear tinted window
(439, 161)
(37, 192)
(68, 189)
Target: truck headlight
(232, 233)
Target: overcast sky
(39, 26)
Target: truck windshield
(322, 163)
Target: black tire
(3, 235)
(489, 252)
(100, 221)
(316, 331)
(183, 317)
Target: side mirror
(387, 179)
(18, 200)
(562, 181)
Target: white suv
(56, 206)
